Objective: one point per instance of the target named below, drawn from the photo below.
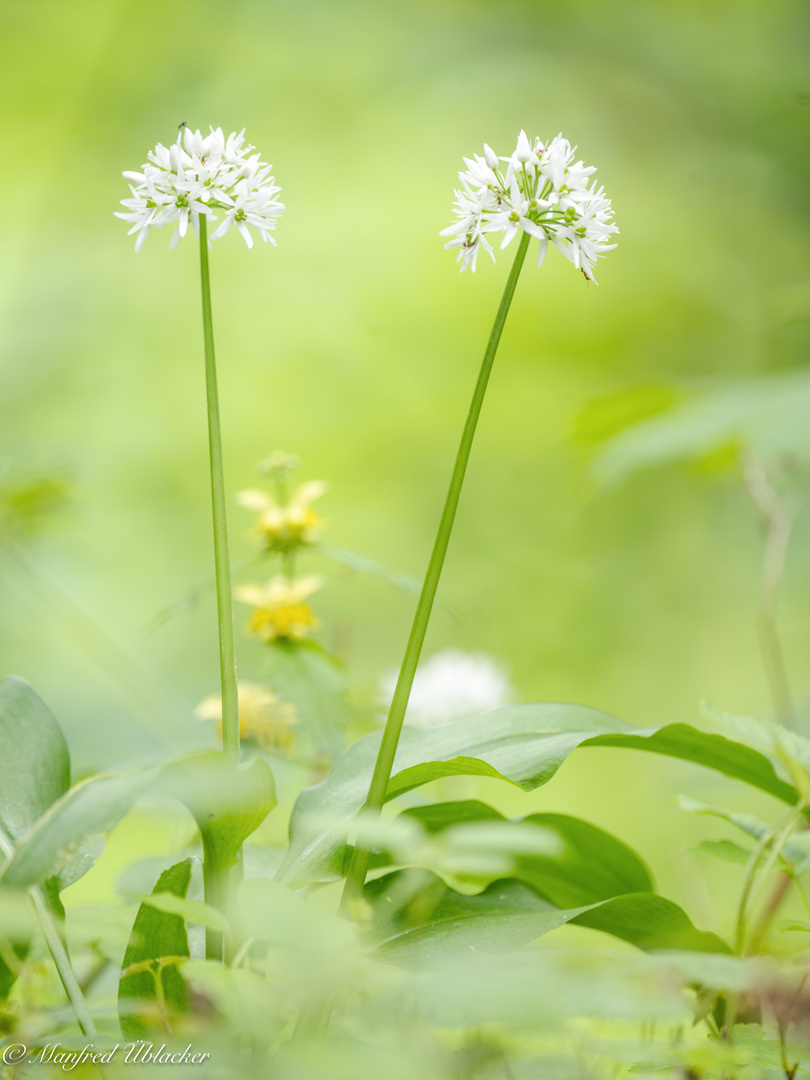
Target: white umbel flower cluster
(541, 191)
(450, 685)
(198, 175)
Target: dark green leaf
(650, 923)
(34, 764)
(156, 935)
(420, 921)
(524, 744)
(591, 866)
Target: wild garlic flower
(450, 685)
(280, 611)
(197, 175)
(283, 527)
(263, 717)
(542, 191)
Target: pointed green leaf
(92, 806)
(650, 923)
(228, 801)
(156, 935)
(34, 764)
(523, 744)
(723, 850)
(420, 921)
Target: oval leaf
(34, 765)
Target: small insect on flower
(541, 191)
(196, 176)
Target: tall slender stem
(388, 747)
(227, 648)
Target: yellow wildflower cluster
(263, 717)
(279, 607)
(282, 527)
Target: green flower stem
(63, 966)
(227, 648)
(388, 747)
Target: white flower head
(198, 175)
(450, 685)
(541, 191)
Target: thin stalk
(63, 966)
(227, 647)
(778, 515)
(57, 950)
(388, 747)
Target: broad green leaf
(92, 806)
(523, 744)
(228, 801)
(420, 921)
(156, 935)
(591, 865)
(34, 764)
(193, 911)
(650, 923)
(723, 850)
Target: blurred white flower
(543, 192)
(198, 175)
(450, 685)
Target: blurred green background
(355, 345)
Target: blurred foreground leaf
(227, 801)
(523, 744)
(92, 806)
(156, 935)
(590, 865)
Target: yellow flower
(263, 717)
(280, 611)
(284, 527)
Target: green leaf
(92, 806)
(227, 801)
(193, 911)
(155, 935)
(523, 744)
(650, 923)
(591, 865)
(766, 415)
(34, 764)
(419, 921)
(723, 850)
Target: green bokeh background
(355, 344)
